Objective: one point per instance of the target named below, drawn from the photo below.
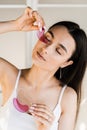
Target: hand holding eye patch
(29, 21)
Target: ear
(67, 63)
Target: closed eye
(46, 39)
(58, 51)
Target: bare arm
(26, 22)
(8, 72)
(7, 26)
(67, 120)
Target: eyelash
(49, 41)
(58, 51)
(46, 38)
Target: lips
(40, 56)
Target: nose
(46, 49)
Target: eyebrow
(51, 33)
(63, 47)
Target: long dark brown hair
(72, 75)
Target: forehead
(62, 36)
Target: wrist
(15, 26)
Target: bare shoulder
(69, 98)
(70, 92)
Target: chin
(37, 63)
(41, 65)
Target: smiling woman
(36, 98)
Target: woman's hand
(29, 21)
(44, 116)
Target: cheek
(36, 46)
(35, 49)
(53, 62)
(56, 62)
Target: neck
(39, 77)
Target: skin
(41, 90)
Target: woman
(45, 96)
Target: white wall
(64, 1)
(12, 1)
(12, 45)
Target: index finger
(41, 106)
(39, 19)
(29, 11)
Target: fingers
(29, 11)
(42, 113)
(37, 20)
(43, 109)
(43, 121)
(30, 21)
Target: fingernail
(35, 23)
(32, 108)
(40, 29)
(34, 105)
(39, 24)
(33, 114)
(44, 27)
